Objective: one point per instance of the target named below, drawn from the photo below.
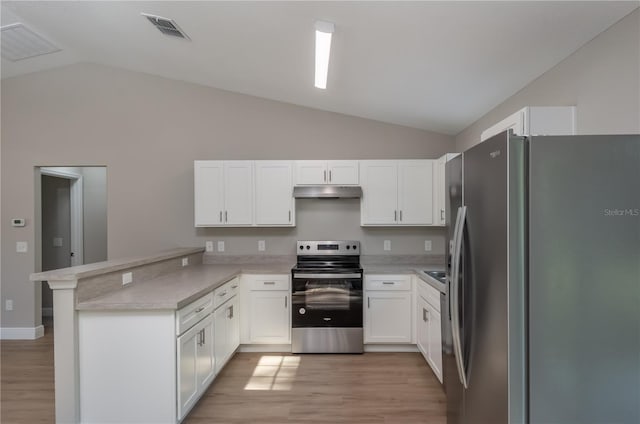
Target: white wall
(148, 131)
(602, 79)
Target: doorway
(73, 221)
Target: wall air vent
(166, 26)
(19, 42)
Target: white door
(388, 317)
(343, 172)
(274, 193)
(379, 180)
(221, 345)
(208, 193)
(422, 327)
(311, 172)
(415, 192)
(238, 188)
(269, 317)
(187, 370)
(206, 353)
(435, 343)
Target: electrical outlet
(22, 247)
(261, 245)
(185, 261)
(427, 245)
(57, 242)
(127, 278)
(387, 245)
(208, 246)
(220, 246)
(8, 305)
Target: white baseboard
(391, 348)
(266, 348)
(47, 312)
(21, 333)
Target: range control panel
(343, 247)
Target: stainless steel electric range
(326, 298)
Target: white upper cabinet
(537, 120)
(223, 193)
(319, 172)
(273, 197)
(396, 192)
(440, 188)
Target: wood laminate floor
(257, 388)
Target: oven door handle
(327, 276)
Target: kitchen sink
(438, 275)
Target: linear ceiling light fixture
(323, 49)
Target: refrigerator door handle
(455, 302)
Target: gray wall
(602, 79)
(147, 131)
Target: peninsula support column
(65, 343)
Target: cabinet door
(269, 317)
(343, 172)
(415, 192)
(234, 326)
(238, 189)
(379, 180)
(311, 172)
(388, 317)
(274, 193)
(435, 342)
(187, 370)
(221, 345)
(422, 327)
(208, 193)
(439, 190)
(206, 353)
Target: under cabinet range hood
(327, 192)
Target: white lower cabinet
(428, 326)
(196, 363)
(388, 309)
(269, 312)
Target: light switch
(221, 246)
(261, 245)
(208, 246)
(22, 247)
(57, 242)
(387, 245)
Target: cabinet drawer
(430, 294)
(387, 282)
(225, 292)
(274, 282)
(194, 312)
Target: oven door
(326, 300)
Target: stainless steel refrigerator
(544, 284)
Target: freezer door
(584, 286)
(484, 289)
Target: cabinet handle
(225, 217)
(368, 302)
(234, 287)
(442, 214)
(285, 302)
(325, 176)
(269, 283)
(200, 309)
(230, 309)
(329, 176)
(395, 215)
(200, 338)
(289, 216)
(204, 337)
(388, 282)
(424, 315)
(400, 215)
(224, 293)
(220, 216)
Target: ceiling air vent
(166, 26)
(19, 42)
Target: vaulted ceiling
(432, 65)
